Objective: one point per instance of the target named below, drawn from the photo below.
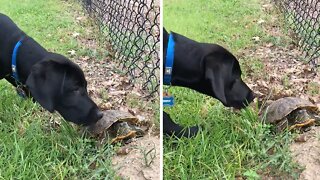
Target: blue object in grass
(168, 101)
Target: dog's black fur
(209, 69)
(52, 80)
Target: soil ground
(307, 154)
(135, 164)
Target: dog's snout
(99, 114)
(250, 97)
(94, 116)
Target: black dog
(207, 68)
(52, 80)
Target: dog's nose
(250, 97)
(99, 114)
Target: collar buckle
(168, 71)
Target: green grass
(231, 145)
(227, 22)
(33, 145)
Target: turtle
(292, 113)
(117, 126)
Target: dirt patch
(276, 66)
(282, 73)
(141, 159)
(307, 154)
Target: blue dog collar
(14, 60)
(169, 61)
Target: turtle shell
(280, 108)
(109, 118)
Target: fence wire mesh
(132, 27)
(303, 17)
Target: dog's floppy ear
(42, 83)
(221, 69)
(165, 39)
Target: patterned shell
(280, 108)
(109, 118)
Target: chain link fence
(303, 17)
(132, 27)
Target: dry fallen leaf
(117, 93)
(72, 52)
(124, 150)
(75, 34)
(256, 39)
(260, 21)
(85, 58)
(301, 138)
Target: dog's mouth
(240, 104)
(92, 118)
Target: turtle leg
(281, 125)
(122, 131)
(303, 124)
(130, 134)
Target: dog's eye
(73, 90)
(76, 89)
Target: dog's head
(218, 76)
(59, 84)
(223, 73)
